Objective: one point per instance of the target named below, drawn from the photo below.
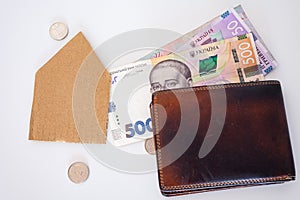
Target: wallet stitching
(213, 87)
(157, 138)
(229, 183)
(212, 184)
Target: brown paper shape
(71, 96)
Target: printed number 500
(246, 53)
(139, 128)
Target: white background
(38, 170)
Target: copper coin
(78, 172)
(58, 31)
(149, 146)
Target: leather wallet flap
(222, 136)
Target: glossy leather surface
(241, 127)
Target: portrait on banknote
(170, 74)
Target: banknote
(229, 24)
(182, 43)
(128, 113)
(226, 61)
(267, 60)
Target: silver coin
(149, 146)
(78, 172)
(58, 31)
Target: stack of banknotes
(227, 49)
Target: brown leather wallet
(221, 136)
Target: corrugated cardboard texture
(73, 86)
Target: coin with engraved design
(58, 31)
(149, 146)
(78, 172)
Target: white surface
(38, 170)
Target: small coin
(58, 31)
(149, 146)
(78, 172)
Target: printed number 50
(139, 128)
(233, 25)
